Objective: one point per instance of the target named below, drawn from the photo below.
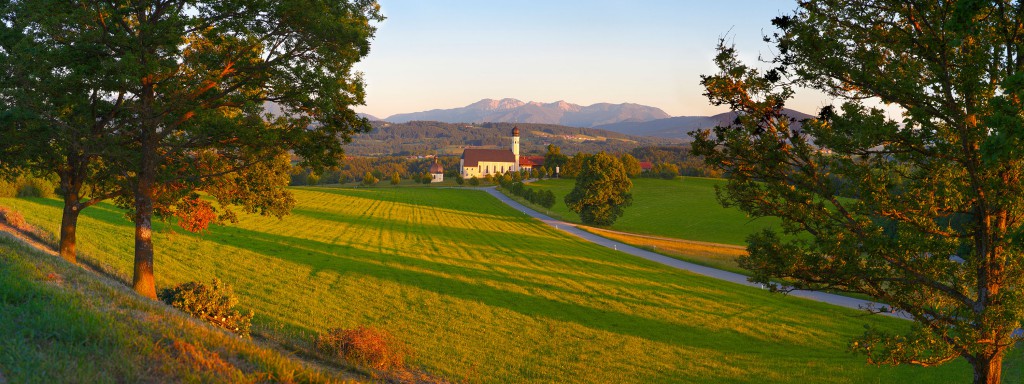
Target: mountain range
(627, 118)
(515, 111)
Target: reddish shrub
(12, 218)
(366, 347)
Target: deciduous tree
(923, 214)
(631, 165)
(57, 115)
(602, 190)
(190, 79)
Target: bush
(12, 218)
(8, 189)
(474, 181)
(366, 347)
(212, 303)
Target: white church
(480, 162)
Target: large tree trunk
(988, 370)
(68, 228)
(143, 281)
(71, 182)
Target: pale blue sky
(450, 53)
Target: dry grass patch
(721, 256)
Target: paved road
(842, 301)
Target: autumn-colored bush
(213, 303)
(12, 218)
(366, 347)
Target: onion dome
(515, 131)
(436, 168)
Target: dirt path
(16, 234)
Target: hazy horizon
(452, 53)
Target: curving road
(842, 301)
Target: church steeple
(515, 147)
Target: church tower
(515, 147)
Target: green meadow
(482, 293)
(683, 209)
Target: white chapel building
(479, 162)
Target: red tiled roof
(472, 156)
(525, 162)
(646, 165)
(534, 160)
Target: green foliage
(574, 165)
(474, 181)
(554, 157)
(924, 214)
(27, 187)
(459, 179)
(395, 178)
(212, 303)
(36, 188)
(602, 190)
(667, 171)
(369, 179)
(631, 165)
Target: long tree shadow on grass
(353, 260)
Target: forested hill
(431, 137)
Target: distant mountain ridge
(679, 127)
(516, 111)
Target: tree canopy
(602, 190)
(187, 83)
(924, 213)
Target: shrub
(474, 181)
(12, 218)
(34, 187)
(212, 303)
(366, 347)
(8, 189)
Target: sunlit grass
(62, 325)
(481, 292)
(682, 209)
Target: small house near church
(478, 162)
(436, 172)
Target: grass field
(683, 209)
(484, 294)
(63, 325)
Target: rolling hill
(679, 127)
(482, 293)
(438, 138)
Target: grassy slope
(684, 209)
(482, 292)
(61, 324)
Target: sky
(441, 54)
